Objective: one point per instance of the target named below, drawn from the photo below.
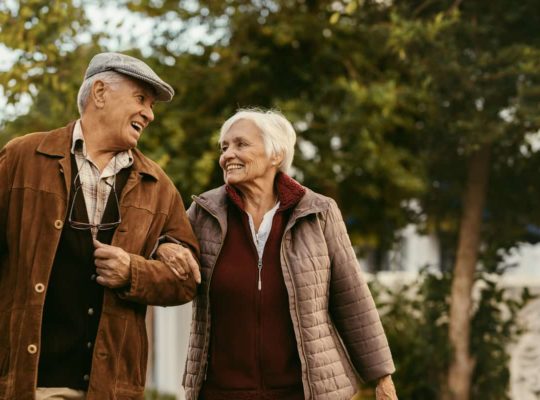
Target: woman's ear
(98, 93)
(277, 159)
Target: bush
(415, 317)
(152, 394)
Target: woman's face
(243, 157)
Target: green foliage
(42, 33)
(152, 394)
(53, 108)
(49, 62)
(354, 111)
(415, 317)
(388, 101)
(479, 63)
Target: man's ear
(98, 93)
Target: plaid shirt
(96, 185)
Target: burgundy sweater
(253, 351)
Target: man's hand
(112, 265)
(180, 260)
(385, 389)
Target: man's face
(127, 111)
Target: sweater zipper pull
(259, 267)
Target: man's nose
(148, 113)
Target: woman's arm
(351, 305)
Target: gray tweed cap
(132, 67)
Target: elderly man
(81, 212)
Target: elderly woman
(283, 311)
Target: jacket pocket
(346, 364)
(133, 355)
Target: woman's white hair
(110, 78)
(277, 132)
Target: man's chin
(132, 143)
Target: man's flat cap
(132, 67)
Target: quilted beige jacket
(339, 334)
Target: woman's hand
(385, 389)
(180, 260)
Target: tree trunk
(462, 364)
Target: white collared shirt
(260, 238)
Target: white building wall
(525, 361)
(171, 334)
(419, 250)
(527, 259)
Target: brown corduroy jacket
(338, 331)
(35, 176)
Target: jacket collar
(215, 202)
(289, 192)
(57, 143)
(311, 203)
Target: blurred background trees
(415, 112)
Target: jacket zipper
(259, 267)
(259, 262)
(258, 331)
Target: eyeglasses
(86, 225)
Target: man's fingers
(101, 280)
(108, 282)
(106, 251)
(100, 263)
(103, 270)
(98, 244)
(104, 254)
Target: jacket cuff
(378, 371)
(133, 290)
(164, 239)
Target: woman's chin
(231, 179)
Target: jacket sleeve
(351, 305)
(4, 196)
(153, 282)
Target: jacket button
(86, 377)
(58, 224)
(40, 287)
(32, 349)
(90, 311)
